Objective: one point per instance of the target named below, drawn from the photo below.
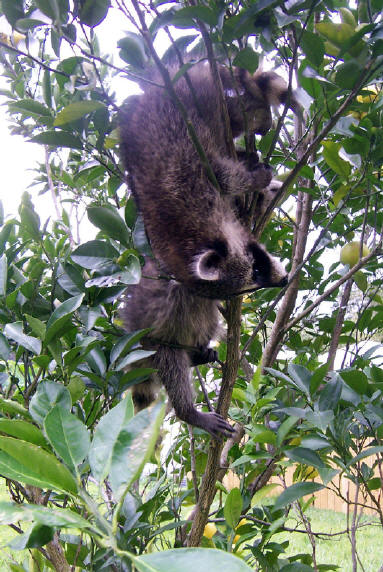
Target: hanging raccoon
(196, 238)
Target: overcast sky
(18, 156)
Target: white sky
(18, 156)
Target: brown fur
(193, 230)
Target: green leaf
(15, 332)
(357, 380)
(30, 221)
(60, 318)
(105, 437)
(360, 280)
(38, 327)
(295, 492)
(29, 464)
(132, 357)
(247, 59)
(13, 10)
(132, 50)
(68, 436)
(330, 395)
(70, 279)
(49, 394)
(348, 74)
(337, 34)
(301, 377)
(133, 447)
(3, 274)
(58, 139)
(366, 453)
(299, 567)
(333, 160)
(13, 408)
(305, 457)
(22, 430)
(5, 349)
(190, 560)
(50, 8)
(37, 535)
(125, 343)
(108, 220)
(185, 16)
(11, 513)
(47, 88)
(233, 507)
(92, 12)
(93, 254)
(285, 428)
(313, 46)
(30, 106)
(76, 110)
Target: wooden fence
(326, 498)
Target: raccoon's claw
(203, 355)
(216, 425)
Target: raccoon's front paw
(262, 176)
(215, 424)
(204, 355)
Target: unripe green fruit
(350, 253)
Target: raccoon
(196, 237)
(182, 325)
(192, 227)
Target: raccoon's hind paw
(216, 425)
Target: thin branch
(362, 262)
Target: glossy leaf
(93, 254)
(29, 464)
(10, 513)
(233, 507)
(133, 447)
(295, 492)
(49, 394)
(68, 436)
(58, 139)
(3, 274)
(76, 110)
(190, 560)
(106, 435)
(61, 317)
(109, 221)
(15, 332)
(22, 430)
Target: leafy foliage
(72, 451)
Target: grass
(335, 550)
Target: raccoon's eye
(212, 260)
(256, 273)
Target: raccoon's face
(219, 272)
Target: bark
(304, 208)
(339, 324)
(208, 488)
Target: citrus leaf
(68, 436)
(76, 110)
(27, 463)
(295, 492)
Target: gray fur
(193, 230)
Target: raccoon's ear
(206, 265)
